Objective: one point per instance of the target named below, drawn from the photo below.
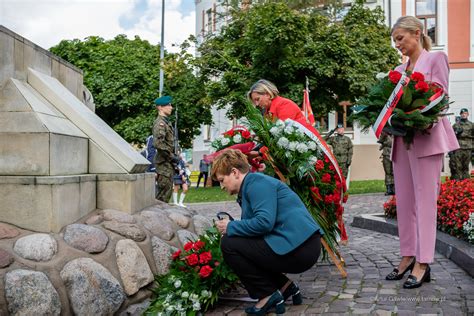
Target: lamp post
(162, 45)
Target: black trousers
(205, 174)
(260, 269)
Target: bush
(455, 203)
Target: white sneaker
(182, 205)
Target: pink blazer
(441, 139)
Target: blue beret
(463, 110)
(164, 100)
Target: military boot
(390, 189)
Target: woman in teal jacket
(276, 234)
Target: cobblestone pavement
(369, 257)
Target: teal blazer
(272, 210)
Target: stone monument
(58, 160)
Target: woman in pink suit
(417, 170)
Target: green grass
(208, 194)
(215, 194)
(366, 186)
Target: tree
(123, 76)
(273, 41)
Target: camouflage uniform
(385, 142)
(163, 141)
(342, 150)
(459, 159)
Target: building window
(426, 11)
(206, 135)
(209, 21)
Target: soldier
(459, 159)
(163, 141)
(385, 142)
(341, 148)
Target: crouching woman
(276, 234)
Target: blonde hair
(229, 159)
(412, 24)
(263, 87)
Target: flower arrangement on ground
(297, 158)
(455, 204)
(390, 207)
(236, 135)
(405, 104)
(198, 274)
(455, 208)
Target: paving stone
(5, 259)
(8, 231)
(369, 256)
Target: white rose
(283, 142)
(170, 308)
(312, 160)
(204, 293)
(312, 145)
(185, 294)
(193, 297)
(177, 284)
(237, 138)
(289, 130)
(292, 146)
(275, 131)
(196, 306)
(225, 141)
(302, 148)
(280, 123)
(381, 75)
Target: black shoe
(412, 282)
(275, 301)
(394, 275)
(294, 291)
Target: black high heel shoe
(294, 291)
(412, 282)
(395, 275)
(276, 300)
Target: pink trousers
(417, 182)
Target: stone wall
(102, 265)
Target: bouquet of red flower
(402, 105)
(390, 207)
(198, 274)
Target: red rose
(198, 245)
(319, 165)
(417, 76)
(316, 195)
(205, 271)
(326, 178)
(205, 257)
(329, 199)
(230, 133)
(188, 246)
(422, 86)
(175, 255)
(394, 76)
(192, 259)
(245, 134)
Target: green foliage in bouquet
(305, 168)
(407, 114)
(197, 276)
